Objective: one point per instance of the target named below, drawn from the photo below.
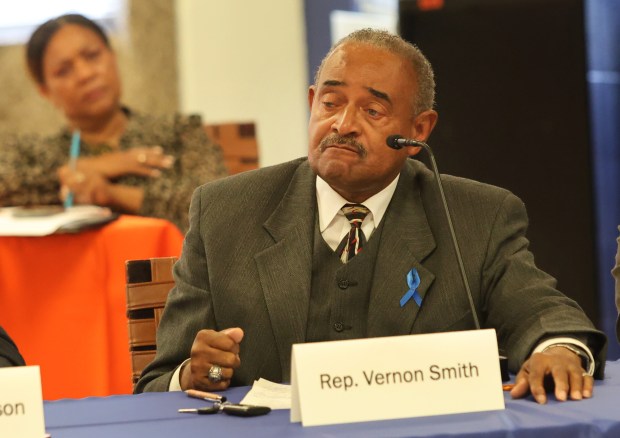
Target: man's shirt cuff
(175, 382)
(568, 342)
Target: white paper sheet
(267, 393)
(16, 221)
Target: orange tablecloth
(62, 300)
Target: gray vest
(340, 292)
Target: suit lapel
(406, 240)
(285, 268)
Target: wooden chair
(238, 143)
(149, 281)
(147, 285)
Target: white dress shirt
(334, 225)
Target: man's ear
(421, 129)
(311, 92)
(423, 125)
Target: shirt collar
(330, 202)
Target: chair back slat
(239, 144)
(148, 283)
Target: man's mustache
(342, 139)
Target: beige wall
(21, 108)
(146, 47)
(246, 60)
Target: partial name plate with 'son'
(21, 403)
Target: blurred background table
(62, 299)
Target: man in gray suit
(273, 257)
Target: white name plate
(395, 377)
(21, 402)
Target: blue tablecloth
(155, 415)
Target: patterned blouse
(28, 165)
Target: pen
(205, 395)
(74, 153)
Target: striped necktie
(353, 242)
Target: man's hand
(558, 366)
(212, 348)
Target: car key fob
(245, 410)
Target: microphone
(398, 142)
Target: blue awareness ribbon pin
(413, 281)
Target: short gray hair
(425, 97)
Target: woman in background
(130, 162)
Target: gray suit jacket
(247, 261)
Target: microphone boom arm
(455, 242)
(397, 142)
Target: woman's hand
(87, 188)
(95, 189)
(91, 180)
(143, 161)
